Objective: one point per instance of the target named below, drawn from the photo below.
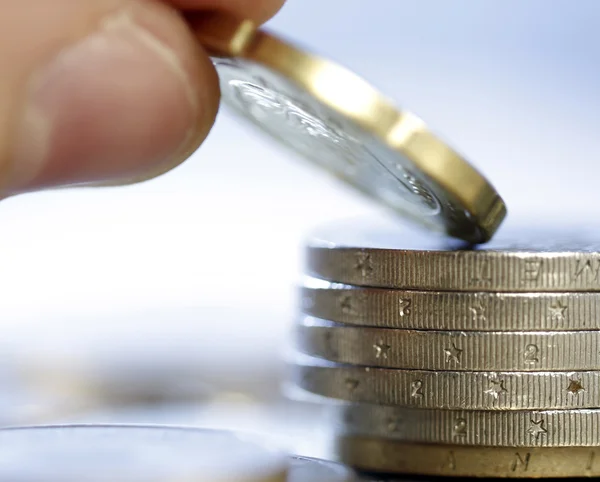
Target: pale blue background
(513, 84)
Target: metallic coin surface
(308, 469)
(97, 453)
(449, 350)
(446, 310)
(546, 428)
(384, 455)
(377, 253)
(342, 124)
(449, 389)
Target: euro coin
(448, 389)
(375, 252)
(450, 310)
(392, 456)
(339, 122)
(541, 428)
(449, 350)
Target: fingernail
(112, 105)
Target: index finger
(259, 10)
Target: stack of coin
(451, 359)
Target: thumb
(100, 91)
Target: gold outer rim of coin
(530, 428)
(451, 310)
(402, 131)
(381, 455)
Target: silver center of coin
(299, 120)
(281, 113)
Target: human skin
(104, 91)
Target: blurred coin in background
(306, 469)
(296, 426)
(72, 453)
(158, 357)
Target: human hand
(104, 91)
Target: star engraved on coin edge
(496, 388)
(381, 349)
(394, 424)
(346, 304)
(351, 384)
(575, 386)
(363, 264)
(453, 354)
(537, 428)
(557, 312)
(478, 312)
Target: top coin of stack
(445, 350)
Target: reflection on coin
(545, 428)
(306, 469)
(339, 122)
(374, 252)
(72, 453)
(447, 310)
(449, 389)
(384, 455)
(449, 350)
